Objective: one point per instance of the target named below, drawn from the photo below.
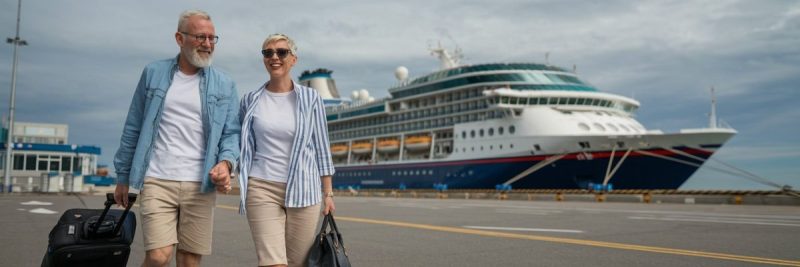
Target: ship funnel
(322, 81)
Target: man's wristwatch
(329, 194)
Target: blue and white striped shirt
(310, 156)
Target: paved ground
(434, 232)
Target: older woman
(285, 165)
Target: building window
(42, 165)
(65, 163)
(30, 162)
(19, 162)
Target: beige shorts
(281, 235)
(176, 212)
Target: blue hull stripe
(572, 171)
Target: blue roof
(55, 148)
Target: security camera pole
(16, 42)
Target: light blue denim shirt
(219, 113)
(310, 157)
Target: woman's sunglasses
(282, 52)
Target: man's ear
(179, 38)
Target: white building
(43, 150)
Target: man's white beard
(196, 60)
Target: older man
(179, 142)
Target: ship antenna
(712, 120)
(547, 58)
(446, 59)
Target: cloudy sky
(85, 57)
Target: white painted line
(21, 209)
(523, 229)
(522, 211)
(38, 203)
(789, 217)
(712, 221)
(42, 211)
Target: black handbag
(328, 249)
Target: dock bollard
(504, 195)
(647, 197)
(737, 199)
(414, 194)
(600, 197)
(559, 196)
(466, 195)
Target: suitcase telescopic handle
(110, 202)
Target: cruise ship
(503, 126)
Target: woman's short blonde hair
(277, 37)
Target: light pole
(16, 42)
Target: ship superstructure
(524, 125)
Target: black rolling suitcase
(79, 240)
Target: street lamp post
(16, 42)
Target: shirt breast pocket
(220, 108)
(154, 96)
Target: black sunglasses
(282, 52)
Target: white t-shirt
(273, 129)
(179, 148)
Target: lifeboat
(339, 149)
(362, 148)
(388, 145)
(420, 142)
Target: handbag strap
(334, 228)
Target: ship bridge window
(572, 101)
(553, 101)
(514, 100)
(580, 101)
(562, 101)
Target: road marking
(523, 229)
(572, 241)
(38, 203)
(711, 220)
(42, 211)
(688, 213)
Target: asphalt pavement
(452, 232)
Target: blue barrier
(503, 187)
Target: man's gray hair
(280, 36)
(184, 18)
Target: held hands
(221, 176)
